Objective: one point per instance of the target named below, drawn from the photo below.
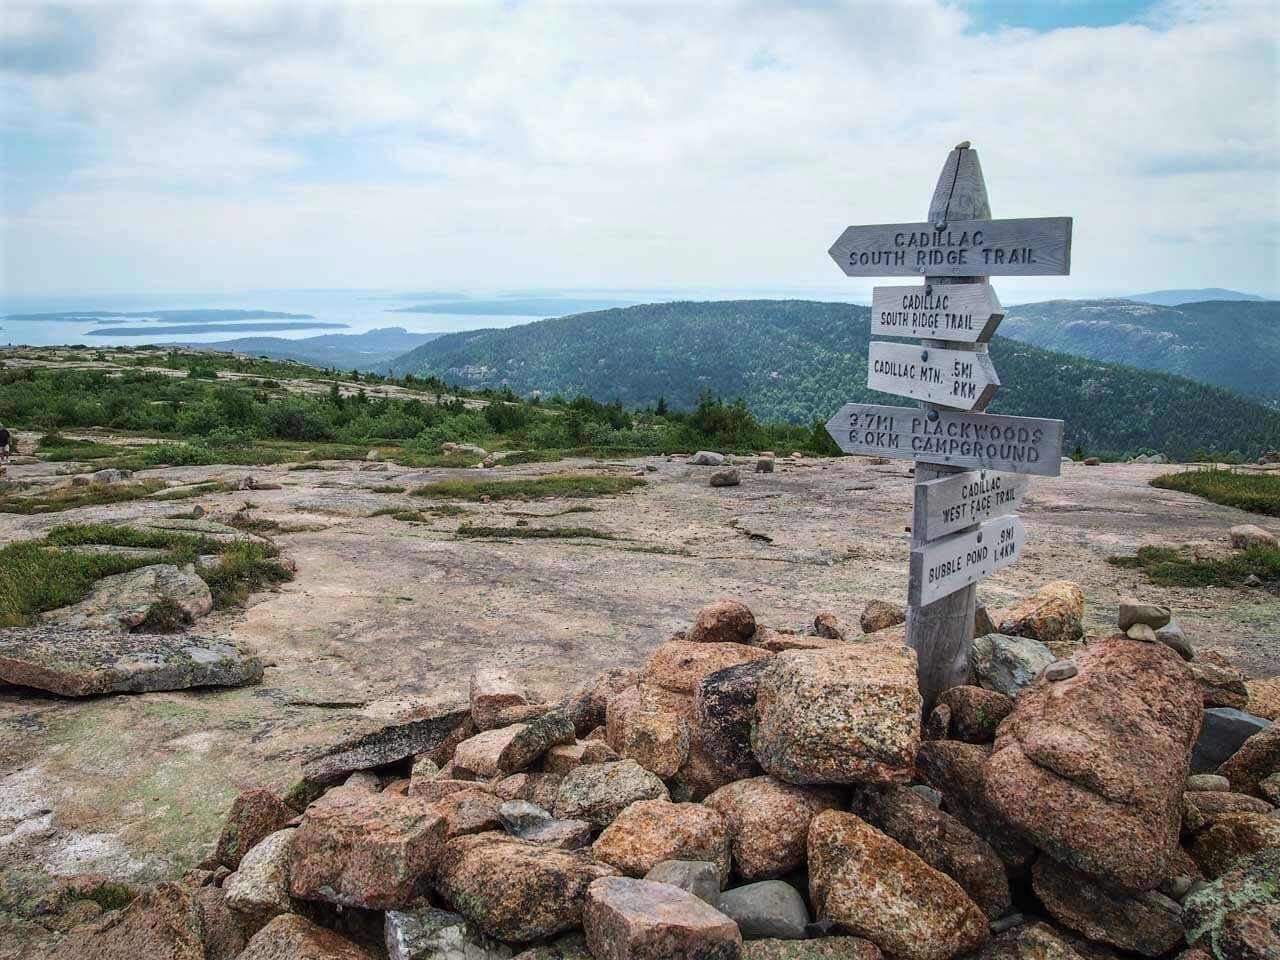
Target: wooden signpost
(971, 467)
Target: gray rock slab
(770, 908)
(388, 744)
(699, 877)
(83, 663)
(1222, 732)
(1007, 664)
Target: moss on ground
(69, 498)
(572, 486)
(1167, 567)
(534, 533)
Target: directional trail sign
(963, 379)
(962, 313)
(971, 467)
(1036, 247)
(964, 499)
(946, 565)
(983, 440)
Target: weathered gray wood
(964, 499)
(1034, 246)
(961, 313)
(941, 633)
(944, 566)
(963, 379)
(952, 438)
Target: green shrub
(1255, 492)
(572, 486)
(1185, 568)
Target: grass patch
(69, 498)
(533, 533)
(186, 546)
(529, 489)
(410, 459)
(199, 490)
(387, 488)
(34, 578)
(1255, 492)
(1184, 568)
(245, 568)
(165, 616)
(69, 450)
(665, 551)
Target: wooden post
(941, 632)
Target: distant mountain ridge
(800, 360)
(1173, 298)
(372, 350)
(1232, 344)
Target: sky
(151, 148)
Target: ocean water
(359, 310)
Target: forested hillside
(1232, 344)
(800, 360)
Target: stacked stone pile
(773, 795)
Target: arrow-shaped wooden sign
(1035, 246)
(942, 567)
(963, 499)
(962, 313)
(983, 440)
(963, 379)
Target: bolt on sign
(972, 467)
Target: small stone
(539, 788)
(1200, 808)
(497, 695)
(724, 621)
(628, 919)
(770, 908)
(707, 458)
(563, 757)
(1230, 836)
(1250, 536)
(975, 712)
(1141, 632)
(1252, 580)
(468, 811)
(599, 792)
(1132, 611)
(650, 831)
(1207, 781)
(560, 834)
(656, 739)
(260, 886)
(881, 615)
(364, 781)
(768, 823)
(764, 465)
(1006, 664)
(725, 708)
(938, 726)
(1092, 462)
(927, 792)
(291, 937)
(520, 815)
(725, 478)
(1054, 613)
(680, 665)
(1221, 682)
(1007, 923)
(699, 877)
(1264, 697)
(1172, 635)
(982, 622)
(1269, 789)
(254, 815)
(1061, 670)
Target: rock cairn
(771, 794)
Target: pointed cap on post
(961, 193)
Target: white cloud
(549, 143)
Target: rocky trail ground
(386, 615)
